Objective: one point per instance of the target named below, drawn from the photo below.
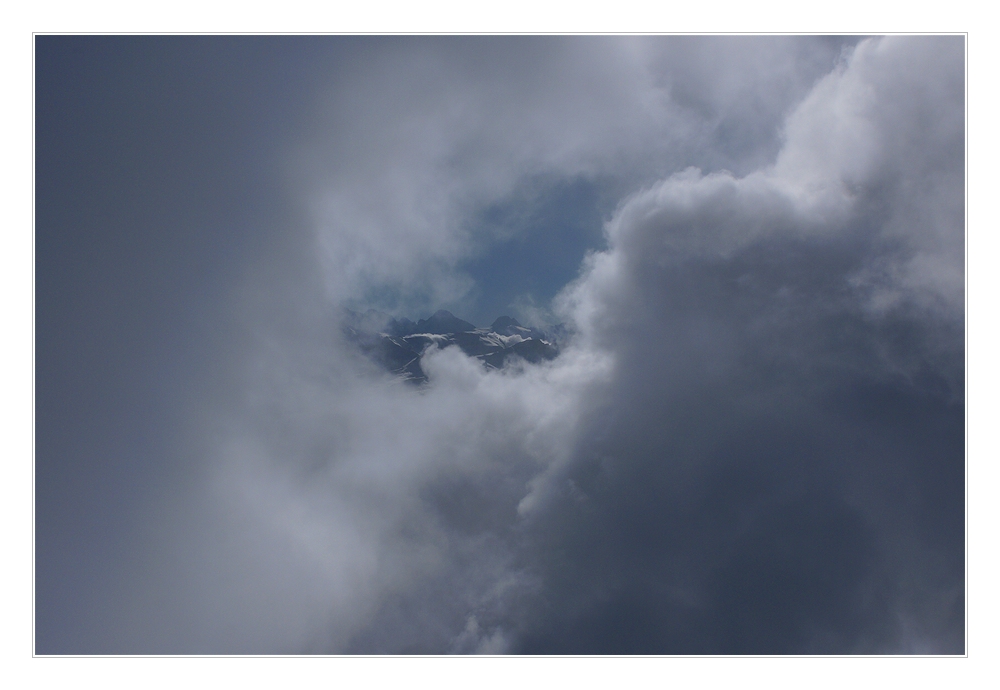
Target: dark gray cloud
(752, 444)
(778, 433)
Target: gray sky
(754, 444)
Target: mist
(750, 442)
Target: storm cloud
(751, 441)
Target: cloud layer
(753, 443)
(786, 413)
(410, 146)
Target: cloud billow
(780, 461)
(751, 442)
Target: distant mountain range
(398, 344)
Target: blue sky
(549, 235)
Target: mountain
(505, 325)
(442, 323)
(398, 344)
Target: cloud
(753, 442)
(745, 474)
(423, 134)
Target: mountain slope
(398, 344)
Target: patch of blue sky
(541, 235)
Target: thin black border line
(966, 267)
(376, 34)
(34, 577)
(502, 656)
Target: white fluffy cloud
(874, 151)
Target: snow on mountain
(398, 344)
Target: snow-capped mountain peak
(398, 344)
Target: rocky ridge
(398, 344)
